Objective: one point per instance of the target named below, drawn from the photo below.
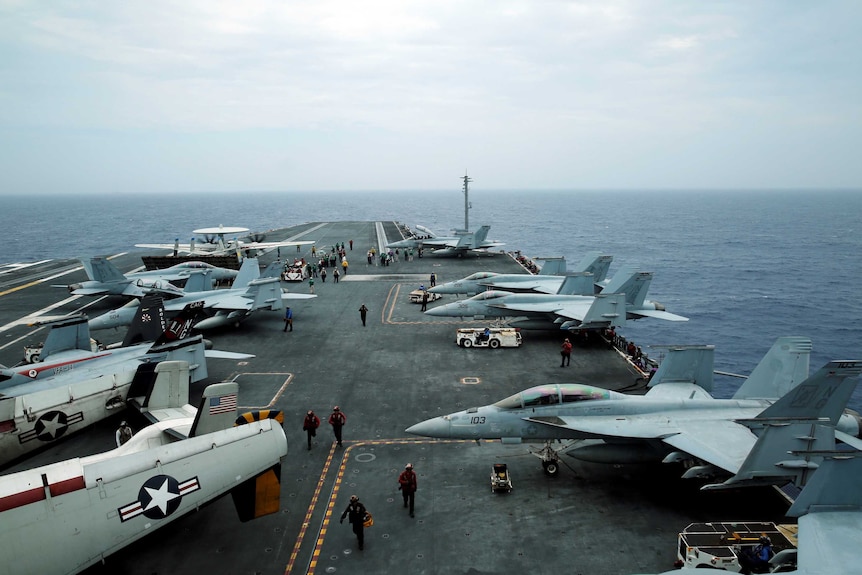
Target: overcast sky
(202, 95)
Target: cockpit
(553, 394)
(480, 276)
(490, 294)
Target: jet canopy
(480, 276)
(490, 294)
(553, 394)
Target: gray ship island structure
(617, 461)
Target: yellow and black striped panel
(251, 416)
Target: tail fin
(553, 266)
(266, 293)
(65, 335)
(783, 367)
(597, 264)
(180, 326)
(101, 270)
(480, 235)
(198, 281)
(248, 271)
(632, 283)
(798, 428)
(686, 364)
(577, 283)
(148, 323)
(259, 496)
(217, 409)
(159, 386)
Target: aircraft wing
(828, 541)
(486, 245)
(720, 442)
(219, 354)
(656, 314)
(438, 243)
(268, 246)
(287, 296)
(89, 291)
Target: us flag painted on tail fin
(223, 404)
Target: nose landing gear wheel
(551, 468)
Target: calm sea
(745, 267)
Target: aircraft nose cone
(437, 427)
(438, 311)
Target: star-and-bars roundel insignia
(160, 496)
(50, 426)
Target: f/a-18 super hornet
(623, 298)
(676, 421)
(455, 245)
(66, 516)
(103, 278)
(547, 281)
(250, 292)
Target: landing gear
(550, 459)
(551, 468)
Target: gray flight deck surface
(401, 369)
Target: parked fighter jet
(106, 279)
(456, 245)
(214, 243)
(562, 310)
(70, 352)
(54, 399)
(677, 420)
(64, 517)
(594, 263)
(251, 291)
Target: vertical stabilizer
(101, 270)
(479, 236)
(149, 321)
(597, 264)
(163, 386)
(823, 395)
(687, 364)
(783, 367)
(553, 266)
(69, 334)
(180, 326)
(217, 409)
(190, 349)
(248, 271)
(273, 270)
(577, 283)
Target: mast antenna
(467, 205)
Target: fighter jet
(214, 243)
(676, 421)
(67, 516)
(563, 310)
(69, 351)
(456, 245)
(44, 402)
(545, 282)
(251, 291)
(105, 279)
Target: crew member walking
(566, 353)
(337, 419)
(124, 433)
(310, 425)
(356, 512)
(288, 319)
(407, 485)
(363, 311)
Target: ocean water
(745, 267)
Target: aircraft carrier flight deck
(401, 368)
